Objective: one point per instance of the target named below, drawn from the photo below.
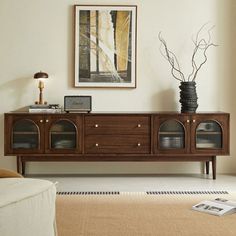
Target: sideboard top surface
(17, 112)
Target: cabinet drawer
(117, 125)
(117, 144)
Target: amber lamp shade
(41, 76)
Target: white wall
(38, 35)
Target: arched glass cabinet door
(63, 135)
(171, 135)
(209, 135)
(25, 135)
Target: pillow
(4, 173)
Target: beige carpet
(140, 214)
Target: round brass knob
(188, 121)
(139, 144)
(139, 125)
(41, 121)
(47, 121)
(194, 121)
(96, 144)
(96, 125)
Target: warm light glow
(42, 79)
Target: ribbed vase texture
(188, 97)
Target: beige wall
(38, 35)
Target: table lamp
(41, 76)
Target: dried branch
(172, 59)
(202, 44)
(204, 61)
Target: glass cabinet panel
(63, 135)
(171, 135)
(209, 135)
(25, 134)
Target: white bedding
(27, 207)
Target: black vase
(188, 97)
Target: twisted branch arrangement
(201, 47)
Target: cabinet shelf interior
(169, 133)
(21, 132)
(54, 132)
(204, 133)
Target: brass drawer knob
(139, 144)
(96, 145)
(188, 121)
(194, 121)
(96, 125)
(47, 121)
(41, 121)
(139, 125)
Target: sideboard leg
(214, 167)
(18, 164)
(207, 167)
(23, 168)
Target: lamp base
(40, 103)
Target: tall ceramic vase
(188, 97)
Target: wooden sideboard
(151, 137)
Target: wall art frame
(105, 46)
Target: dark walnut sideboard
(149, 137)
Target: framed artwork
(105, 46)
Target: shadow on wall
(165, 100)
(227, 53)
(227, 72)
(15, 90)
(232, 49)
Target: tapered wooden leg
(214, 167)
(207, 167)
(18, 164)
(23, 167)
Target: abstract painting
(105, 46)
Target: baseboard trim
(202, 192)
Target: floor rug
(140, 214)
